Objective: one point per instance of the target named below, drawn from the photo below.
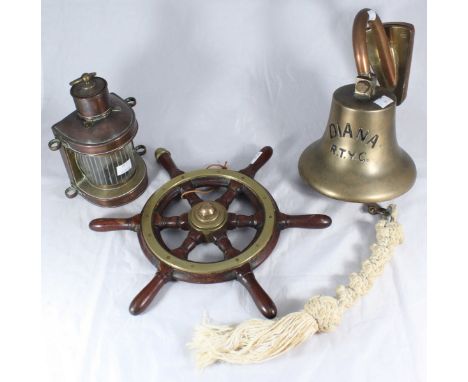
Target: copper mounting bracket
(384, 51)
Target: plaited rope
(258, 340)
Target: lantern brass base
(115, 196)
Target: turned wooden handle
(115, 224)
(264, 303)
(304, 221)
(147, 294)
(239, 221)
(164, 158)
(260, 159)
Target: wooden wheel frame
(208, 222)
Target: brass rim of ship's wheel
(208, 222)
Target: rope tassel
(257, 340)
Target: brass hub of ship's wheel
(207, 217)
(208, 221)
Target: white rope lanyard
(258, 340)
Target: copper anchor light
(358, 158)
(96, 143)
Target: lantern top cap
(87, 85)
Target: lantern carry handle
(85, 77)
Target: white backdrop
(216, 80)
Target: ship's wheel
(208, 222)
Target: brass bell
(358, 158)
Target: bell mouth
(356, 183)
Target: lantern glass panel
(109, 169)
